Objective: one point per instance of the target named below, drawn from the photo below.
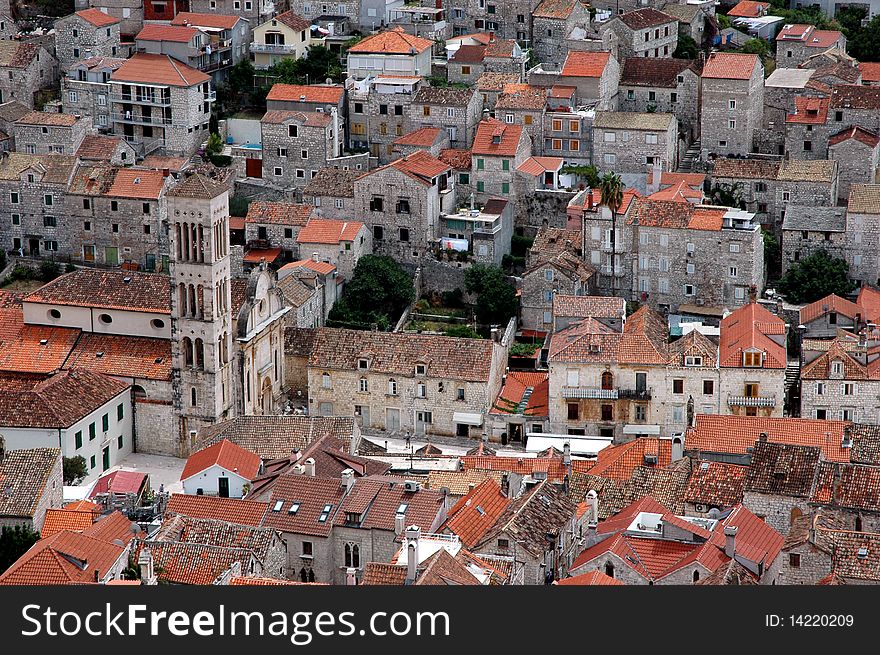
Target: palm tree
(611, 189)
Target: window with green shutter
(105, 422)
(481, 186)
(505, 164)
(78, 439)
(505, 187)
(119, 442)
(120, 412)
(481, 164)
(92, 462)
(91, 432)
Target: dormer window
(421, 370)
(693, 360)
(837, 367)
(753, 358)
(363, 364)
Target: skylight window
(293, 509)
(402, 508)
(277, 507)
(325, 513)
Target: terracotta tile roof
(495, 138)
(551, 241)
(398, 353)
(864, 199)
(492, 81)
(668, 485)
(58, 520)
(560, 9)
(238, 581)
(460, 482)
(852, 486)
(377, 502)
(58, 168)
(226, 455)
(216, 21)
(645, 17)
(591, 579)
(731, 574)
(751, 327)
(643, 341)
(476, 512)
(325, 231)
(533, 519)
(675, 214)
(749, 9)
(294, 21)
(127, 357)
(314, 93)
(18, 54)
(815, 170)
(197, 186)
(323, 268)
(305, 118)
(456, 158)
(419, 165)
(730, 66)
(32, 348)
(173, 33)
(448, 96)
(158, 69)
(123, 290)
(274, 437)
(758, 169)
(654, 72)
(856, 556)
(62, 559)
(830, 303)
(233, 510)
(694, 343)
(585, 64)
(56, 401)
(120, 482)
(865, 443)
(522, 96)
(382, 574)
(422, 138)
(469, 54)
(539, 165)
(860, 134)
(24, 476)
(737, 434)
(93, 63)
(782, 469)
(809, 36)
(264, 212)
(192, 564)
(47, 118)
(618, 462)
(132, 183)
(870, 71)
(210, 532)
(589, 306)
(391, 42)
(855, 96)
(716, 484)
(441, 568)
(83, 505)
(516, 384)
(161, 162)
(554, 467)
(98, 147)
(809, 110)
(97, 18)
(334, 182)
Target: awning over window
(635, 428)
(467, 418)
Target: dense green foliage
(815, 277)
(377, 294)
(14, 542)
(496, 297)
(74, 469)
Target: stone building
(86, 34)
(25, 68)
(490, 86)
(498, 150)
(644, 32)
(378, 113)
(307, 97)
(485, 233)
(552, 22)
(732, 103)
(595, 75)
(296, 145)
(806, 135)
(862, 223)
(276, 225)
(807, 555)
(807, 229)
(521, 104)
(158, 103)
(544, 279)
(472, 55)
(860, 150)
(341, 243)
(401, 204)
(828, 318)
(129, 12)
(795, 43)
(106, 149)
(36, 476)
(331, 193)
(433, 140)
(392, 53)
(43, 133)
(841, 382)
(567, 128)
(283, 36)
(628, 142)
(401, 382)
(455, 111)
(85, 90)
(663, 85)
(254, 11)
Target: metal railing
(751, 401)
(139, 119)
(595, 393)
(137, 99)
(273, 48)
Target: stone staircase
(690, 158)
(792, 373)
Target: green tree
(726, 195)
(213, 125)
(74, 469)
(14, 542)
(850, 19)
(756, 47)
(723, 22)
(865, 44)
(687, 47)
(215, 144)
(378, 293)
(815, 277)
(239, 84)
(496, 297)
(772, 252)
(55, 7)
(463, 331)
(611, 191)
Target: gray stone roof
(814, 219)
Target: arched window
(348, 554)
(303, 575)
(311, 575)
(356, 556)
(187, 351)
(138, 392)
(192, 397)
(607, 380)
(392, 387)
(181, 299)
(191, 309)
(609, 569)
(696, 576)
(200, 354)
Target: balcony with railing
(142, 98)
(210, 96)
(751, 401)
(273, 48)
(596, 393)
(140, 119)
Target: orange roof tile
(870, 71)
(585, 64)
(264, 212)
(108, 289)
(231, 510)
(749, 9)
(97, 18)
(58, 520)
(122, 356)
(476, 512)
(539, 165)
(424, 137)
(496, 138)
(325, 231)
(421, 165)
(226, 455)
(217, 21)
(158, 69)
(830, 303)
(329, 93)
(554, 466)
(736, 434)
(809, 111)
(592, 579)
(133, 183)
(515, 386)
(869, 301)
(392, 42)
(750, 328)
(730, 66)
(324, 268)
(856, 132)
(173, 33)
(619, 462)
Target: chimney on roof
(566, 455)
(762, 437)
(399, 524)
(491, 37)
(145, 564)
(166, 172)
(730, 540)
(309, 465)
(589, 203)
(347, 479)
(593, 502)
(413, 533)
(315, 257)
(753, 293)
(350, 577)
